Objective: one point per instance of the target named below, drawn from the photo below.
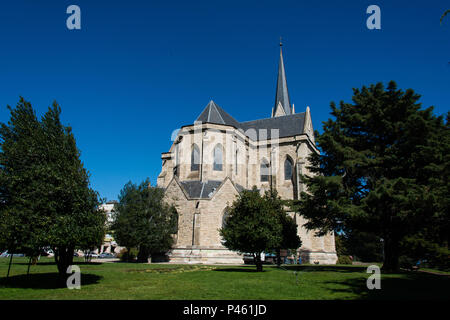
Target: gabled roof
(204, 190)
(290, 125)
(215, 114)
(199, 189)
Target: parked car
(6, 254)
(248, 258)
(270, 258)
(47, 252)
(106, 255)
(93, 254)
(266, 258)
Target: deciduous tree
(258, 224)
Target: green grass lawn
(166, 281)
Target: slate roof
(215, 114)
(288, 126)
(282, 93)
(199, 189)
(203, 190)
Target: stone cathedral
(216, 157)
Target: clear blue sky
(137, 70)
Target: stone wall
(200, 219)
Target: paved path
(435, 273)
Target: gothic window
(218, 158)
(264, 170)
(288, 168)
(195, 158)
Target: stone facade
(216, 157)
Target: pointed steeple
(282, 94)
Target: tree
(47, 200)
(144, 220)
(255, 224)
(443, 15)
(381, 170)
(363, 246)
(289, 236)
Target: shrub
(344, 260)
(126, 256)
(406, 262)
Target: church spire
(282, 95)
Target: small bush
(344, 260)
(406, 262)
(159, 257)
(126, 256)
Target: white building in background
(109, 244)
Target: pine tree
(381, 169)
(144, 220)
(45, 187)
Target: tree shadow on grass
(53, 263)
(239, 269)
(43, 281)
(325, 268)
(405, 286)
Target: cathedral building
(216, 157)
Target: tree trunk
(143, 254)
(10, 262)
(278, 257)
(63, 259)
(29, 264)
(391, 255)
(129, 257)
(258, 262)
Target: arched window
(264, 170)
(288, 168)
(195, 158)
(218, 158)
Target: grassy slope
(163, 281)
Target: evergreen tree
(144, 220)
(443, 15)
(383, 170)
(19, 174)
(45, 189)
(362, 246)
